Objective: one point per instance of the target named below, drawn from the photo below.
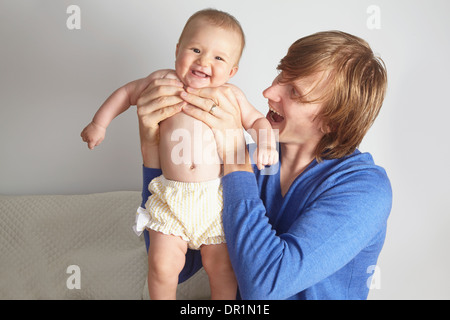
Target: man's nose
(272, 92)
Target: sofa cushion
(77, 247)
(43, 236)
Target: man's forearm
(231, 164)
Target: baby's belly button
(192, 172)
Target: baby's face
(207, 55)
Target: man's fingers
(157, 104)
(202, 103)
(207, 93)
(158, 93)
(199, 114)
(171, 110)
(154, 117)
(159, 88)
(166, 83)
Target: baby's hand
(267, 155)
(93, 134)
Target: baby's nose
(203, 60)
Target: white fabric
(142, 219)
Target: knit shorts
(190, 210)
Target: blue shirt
(320, 241)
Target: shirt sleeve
(148, 174)
(343, 218)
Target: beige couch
(77, 247)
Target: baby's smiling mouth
(200, 74)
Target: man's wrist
(232, 164)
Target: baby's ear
(176, 50)
(234, 71)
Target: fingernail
(183, 94)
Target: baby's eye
(196, 50)
(219, 58)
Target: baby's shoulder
(163, 74)
(238, 93)
(169, 74)
(233, 87)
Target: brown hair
(220, 19)
(356, 86)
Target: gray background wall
(53, 79)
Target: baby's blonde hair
(220, 19)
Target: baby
(185, 208)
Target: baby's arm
(259, 128)
(118, 102)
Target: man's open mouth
(274, 115)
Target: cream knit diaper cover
(190, 210)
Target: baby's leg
(166, 259)
(217, 265)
